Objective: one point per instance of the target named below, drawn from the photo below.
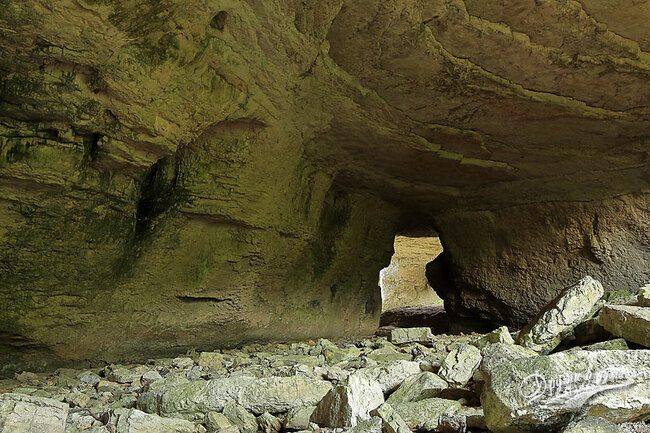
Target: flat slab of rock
(372, 425)
(460, 364)
(410, 335)
(497, 354)
(242, 419)
(424, 414)
(391, 421)
(135, 421)
(418, 387)
(628, 322)
(499, 335)
(390, 375)
(545, 392)
(547, 330)
(298, 418)
(258, 395)
(349, 403)
(616, 344)
(21, 413)
(592, 424)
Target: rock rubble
(416, 382)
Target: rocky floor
(542, 378)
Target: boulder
(89, 378)
(545, 392)
(122, 374)
(500, 353)
(372, 425)
(418, 387)
(388, 354)
(347, 404)
(455, 423)
(499, 335)
(135, 421)
(334, 354)
(424, 414)
(460, 364)
(26, 414)
(628, 322)
(77, 399)
(411, 335)
(592, 424)
(150, 377)
(258, 395)
(474, 416)
(391, 421)
(268, 423)
(643, 297)
(298, 418)
(616, 344)
(215, 421)
(391, 375)
(547, 330)
(80, 422)
(183, 363)
(240, 417)
(210, 360)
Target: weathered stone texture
(179, 175)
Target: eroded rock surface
(541, 392)
(193, 173)
(573, 306)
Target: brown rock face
(191, 174)
(508, 263)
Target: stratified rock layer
(179, 175)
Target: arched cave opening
(416, 286)
(403, 282)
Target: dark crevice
(219, 21)
(158, 194)
(92, 149)
(194, 299)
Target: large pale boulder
(298, 418)
(499, 335)
(410, 335)
(390, 375)
(460, 364)
(372, 425)
(592, 424)
(258, 395)
(391, 421)
(135, 421)
(628, 322)
(545, 392)
(418, 387)
(21, 413)
(238, 416)
(497, 354)
(424, 414)
(547, 330)
(349, 403)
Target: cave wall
(187, 260)
(507, 264)
(179, 174)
